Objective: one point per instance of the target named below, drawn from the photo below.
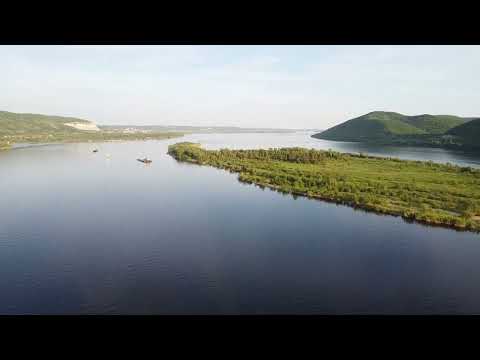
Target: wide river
(101, 233)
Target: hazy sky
(262, 86)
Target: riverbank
(84, 137)
(426, 192)
(426, 141)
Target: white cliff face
(84, 126)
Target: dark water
(83, 233)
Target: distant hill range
(12, 124)
(194, 129)
(17, 124)
(394, 128)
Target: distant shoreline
(199, 129)
(39, 140)
(404, 142)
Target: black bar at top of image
(344, 26)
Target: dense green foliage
(427, 192)
(35, 128)
(435, 124)
(13, 123)
(373, 126)
(469, 132)
(398, 129)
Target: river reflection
(83, 233)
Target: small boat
(145, 160)
(95, 150)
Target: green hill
(16, 124)
(468, 132)
(435, 124)
(389, 126)
(17, 128)
(35, 128)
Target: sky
(311, 87)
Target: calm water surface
(83, 233)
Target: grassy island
(427, 192)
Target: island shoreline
(407, 214)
